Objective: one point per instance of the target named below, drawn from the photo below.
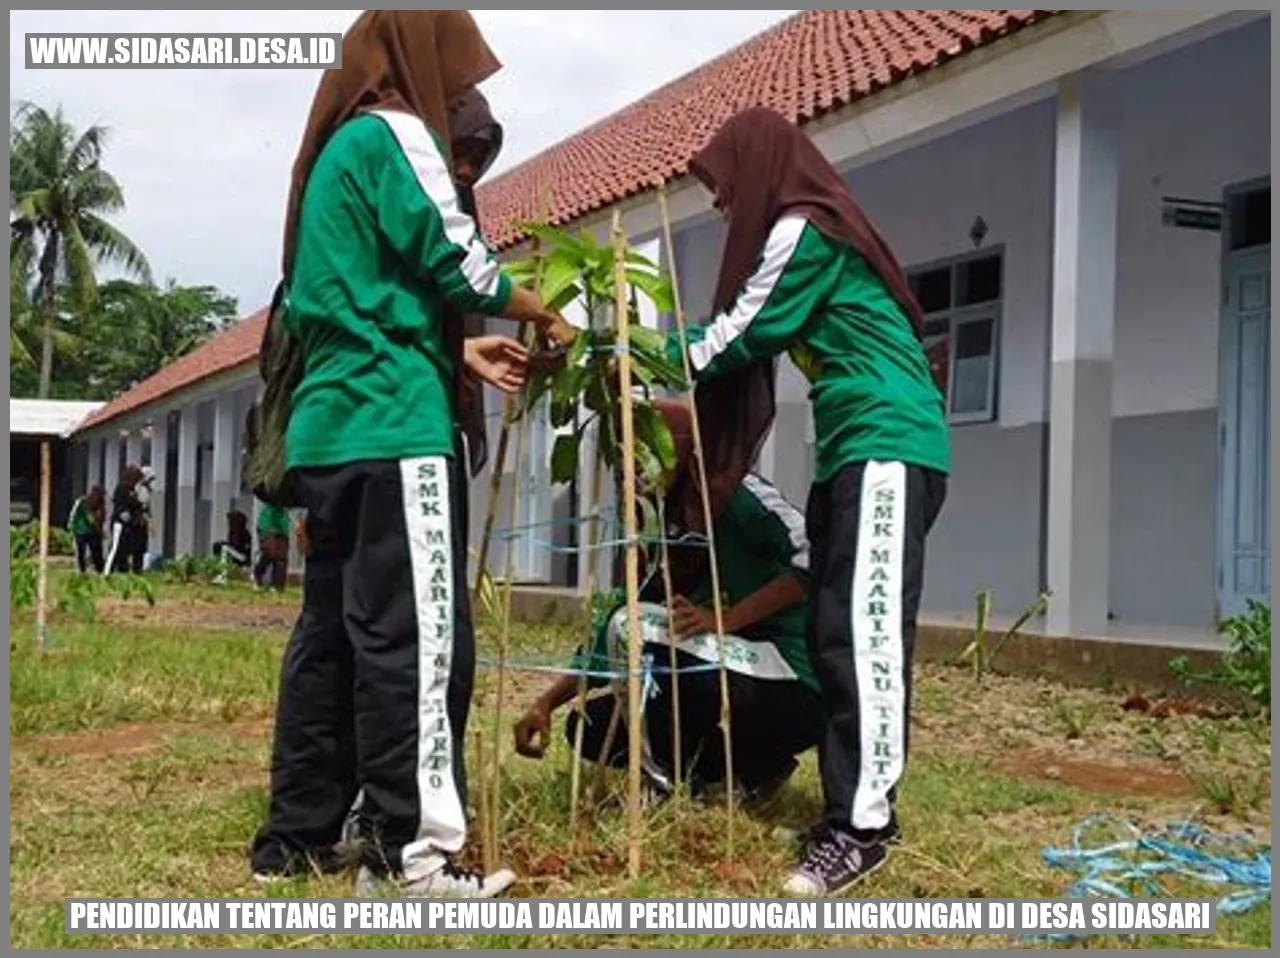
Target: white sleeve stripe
(729, 326)
(791, 517)
(478, 268)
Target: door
(1244, 521)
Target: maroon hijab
(760, 166)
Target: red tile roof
(232, 347)
(805, 67)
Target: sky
(204, 155)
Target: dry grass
(139, 759)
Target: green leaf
(653, 432)
(634, 257)
(559, 273)
(647, 339)
(657, 288)
(564, 458)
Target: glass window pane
(974, 338)
(974, 365)
(933, 289)
(979, 280)
(969, 387)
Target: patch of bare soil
(1139, 781)
(132, 739)
(199, 615)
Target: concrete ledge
(1107, 662)
(1073, 660)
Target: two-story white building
(1083, 202)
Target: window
(961, 301)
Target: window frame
(957, 316)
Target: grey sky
(204, 155)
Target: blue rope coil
(1179, 849)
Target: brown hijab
(760, 166)
(414, 61)
(473, 126)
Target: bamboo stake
(42, 573)
(718, 605)
(634, 824)
(575, 770)
(676, 736)
(602, 767)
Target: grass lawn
(139, 768)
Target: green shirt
(273, 520)
(80, 522)
(873, 395)
(383, 250)
(759, 536)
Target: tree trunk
(46, 353)
(48, 272)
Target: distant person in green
(274, 528)
(804, 271)
(88, 516)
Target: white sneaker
(447, 881)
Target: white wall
(925, 201)
(1195, 121)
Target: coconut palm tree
(59, 195)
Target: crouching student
(236, 550)
(85, 524)
(776, 712)
(272, 567)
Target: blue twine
(1180, 849)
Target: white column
(159, 458)
(115, 461)
(225, 462)
(133, 448)
(87, 468)
(97, 472)
(185, 501)
(1084, 292)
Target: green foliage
(1246, 665)
(78, 595)
(186, 569)
(22, 582)
(59, 198)
(582, 389)
(24, 541)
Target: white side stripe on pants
(876, 610)
(117, 533)
(441, 823)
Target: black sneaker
(804, 837)
(835, 861)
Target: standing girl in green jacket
(804, 271)
(377, 678)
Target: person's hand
(533, 731)
(689, 620)
(498, 360)
(558, 330)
